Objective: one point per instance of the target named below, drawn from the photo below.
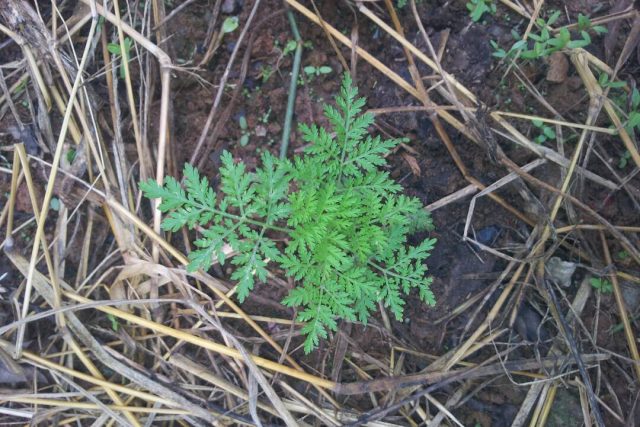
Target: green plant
(477, 8)
(624, 102)
(71, 155)
(547, 132)
(245, 133)
(266, 71)
(623, 161)
(312, 71)
(544, 44)
(289, 47)
(345, 223)
(115, 325)
(605, 83)
(401, 4)
(633, 118)
(264, 119)
(115, 49)
(230, 24)
(622, 255)
(601, 285)
(584, 24)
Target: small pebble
(488, 235)
(231, 7)
(560, 271)
(630, 295)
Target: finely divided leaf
(345, 223)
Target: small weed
(602, 285)
(266, 116)
(289, 47)
(622, 255)
(401, 4)
(477, 8)
(312, 71)
(114, 322)
(547, 132)
(623, 161)
(115, 49)
(544, 43)
(22, 86)
(633, 120)
(230, 24)
(603, 81)
(584, 24)
(265, 73)
(628, 105)
(245, 133)
(71, 155)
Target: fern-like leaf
(345, 223)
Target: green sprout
(477, 8)
(602, 285)
(547, 132)
(116, 49)
(245, 133)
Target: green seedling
(289, 47)
(623, 161)
(546, 41)
(401, 4)
(344, 221)
(547, 132)
(477, 8)
(265, 73)
(22, 86)
(71, 155)
(622, 255)
(312, 71)
(620, 326)
(115, 325)
(602, 285)
(230, 24)
(633, 120)
(544, 44)
(116, 49)
(245, 133)
(605, 83)
(265, 117)
(628, 105)
(584, 24)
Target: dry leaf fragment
(413, 163)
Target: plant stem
(293, 86)
(240, 218)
